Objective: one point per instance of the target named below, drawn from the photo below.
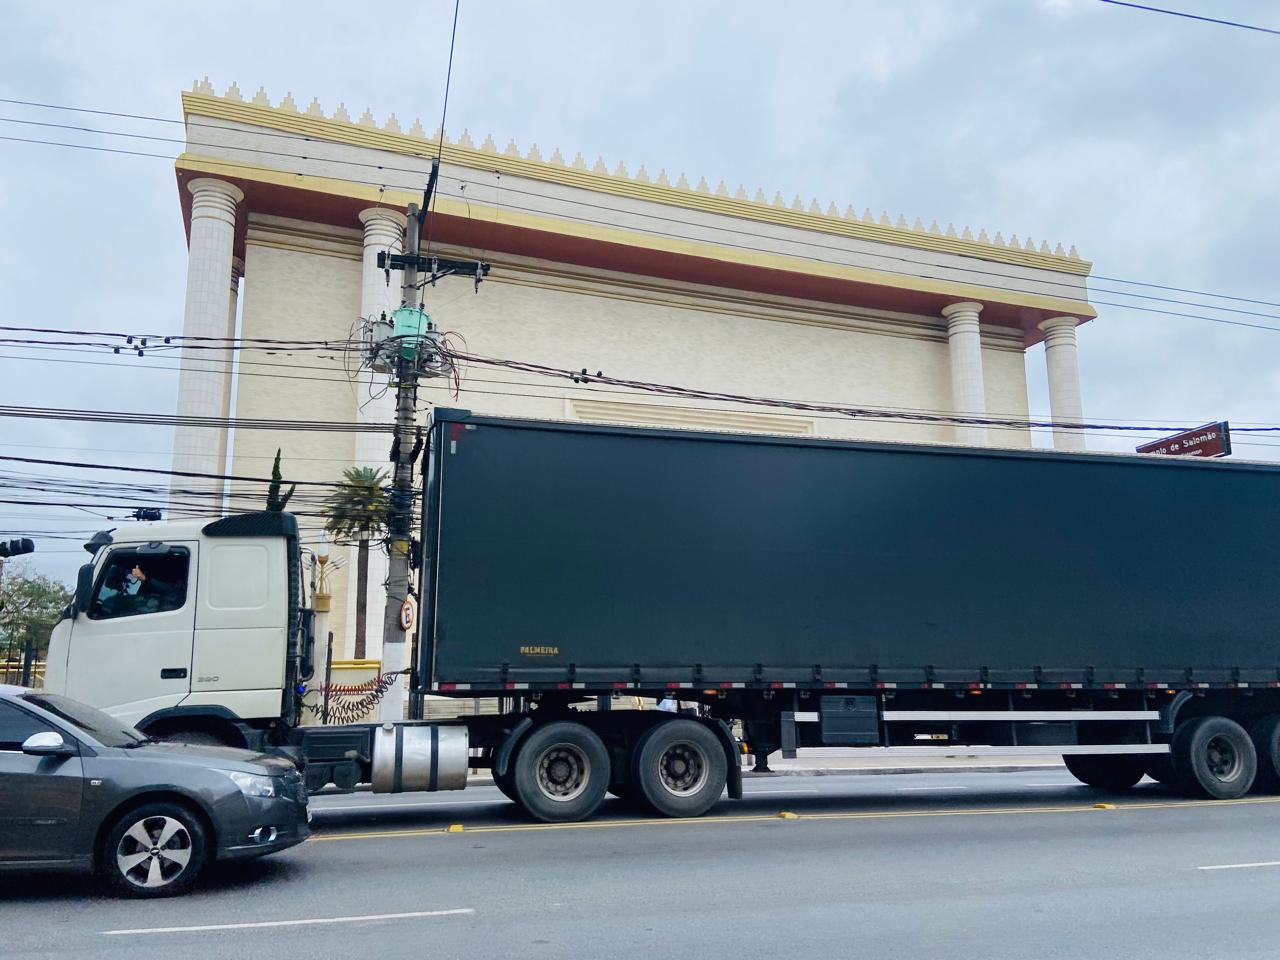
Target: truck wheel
(157, 850)
(1105, 771)
(1214, 757)
(506, 783)
(561, 772)
(201, 738)
(680, 768)
(1265, 734)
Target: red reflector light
(673, 686)
(564, 686)
(775, 686)
(726, 686)
(510, 686)
(621, 686)
(448, 686)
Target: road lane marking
(753, 793)
(773, 818)
(931, 789)
(1241, 866)
(205, 927)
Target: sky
(1148, 141)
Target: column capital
(965, 310)
(209, 186)
(215, 199)
(370, 215)
(383, 227)
(1059, 323)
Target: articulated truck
(1121, 611)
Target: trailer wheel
(1105, 771)
(1214, 757)
(680, 768)
(561, 772)
(1265, 734)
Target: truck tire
(561, 772)
(156, 850)
(680, 768)
(1214, 757)
(1265, 734)
(506, 783)
(1106, 771)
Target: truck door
(130, 654)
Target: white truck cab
(187, 625)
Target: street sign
(1211, 440)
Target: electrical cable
(1073, 287)
(1191, 16)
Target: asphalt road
(987, 865)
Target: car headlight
(252, 784)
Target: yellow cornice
(371, 136)
(614, 235)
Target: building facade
(632, 273)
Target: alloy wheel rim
(154, 852)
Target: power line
(1074, 288)
(1192, 16)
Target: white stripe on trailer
(807, 717)
(984, 750)
(960, 716)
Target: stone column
(968, 392)
(203, 386)
(228, 361)
(383, 230)
(1064, 380)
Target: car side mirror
(47, 743)
(84, 588)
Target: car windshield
(104, 728)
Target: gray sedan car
(81, 791)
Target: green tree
(357, 511)
(275, 502)
(30, 605)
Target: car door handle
(173, 673)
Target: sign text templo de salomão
(1211, 440)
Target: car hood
(224, 758)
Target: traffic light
(15, 548)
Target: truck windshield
(104, 728)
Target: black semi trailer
(1119, 610)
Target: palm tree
(357, 510)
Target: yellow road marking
(773, 818)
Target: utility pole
(415, 342)
(399, 518)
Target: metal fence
(16, 671)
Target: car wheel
(156, 850)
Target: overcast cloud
(1148, 141)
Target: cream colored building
(638, 273)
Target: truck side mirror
(84, 588)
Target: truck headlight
(253, 785)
